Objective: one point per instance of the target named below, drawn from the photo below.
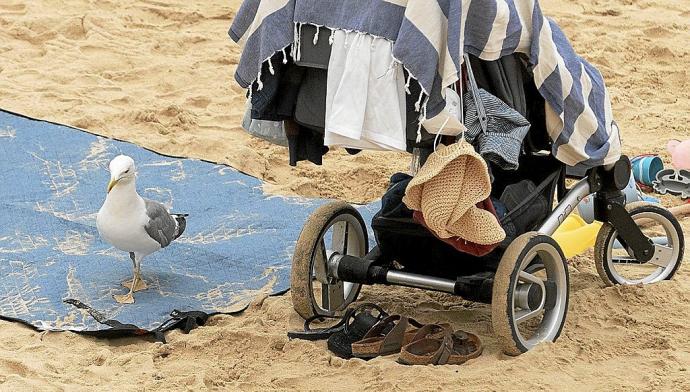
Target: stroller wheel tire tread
(514, 267)
(501, 294)
(300, 275)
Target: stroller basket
(414, 247)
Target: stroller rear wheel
(614, 262)
(334, 228)
(530, 293)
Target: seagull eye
(126, 171)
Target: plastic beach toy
(675, 182)
(575, 236)
(645, 168)
(680, 154)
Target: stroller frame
(609, 207)
(515, 293)
(326, 278)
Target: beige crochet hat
(446, 190)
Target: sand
(160, 74)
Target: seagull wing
(162, 227)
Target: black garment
(278, 95)
(310, 108)
(391, 202)
(304, 144)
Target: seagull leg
(140, 284)
(128, 283)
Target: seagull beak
(111, 184)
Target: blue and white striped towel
(431, 37)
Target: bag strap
(481, 111)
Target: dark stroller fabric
(494, 126)
(406, 241)
(310, 108)
(526, 206)
(391, 202)
(314, 55)
(504, 79)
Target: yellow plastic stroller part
(575, 236)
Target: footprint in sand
(662, 52)
(657, 32)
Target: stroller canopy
(430, 38)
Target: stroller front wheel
(334, 228)
(616, 265)
(530, 293)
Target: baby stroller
(526, 281)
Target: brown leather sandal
(436, 345)
(386, 337)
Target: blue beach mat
(56, 273)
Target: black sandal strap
(325, 333)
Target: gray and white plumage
(134, 224)
(163, 226)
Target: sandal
(435, 344)
(355, 319)
(386, 337)
(354, 328)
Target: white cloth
(365, 95)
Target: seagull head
(122, 171)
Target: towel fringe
(259, 83)
(270, 67)
(285, 60)
(422, 116)
(417, 104)
(316, 35)
(295, 41)
(407, 84)
(299, 44)
(331, 39)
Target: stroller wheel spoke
(624, 260)
(662, 256)
(529, 278)
(320, 260)
(339, 238)
(525, 314)
(332, 295)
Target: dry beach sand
(160, 74)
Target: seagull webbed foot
(140, 286)
(125, 298)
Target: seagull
(133, 224)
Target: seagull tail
(181, 220)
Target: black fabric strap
(185, 321)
